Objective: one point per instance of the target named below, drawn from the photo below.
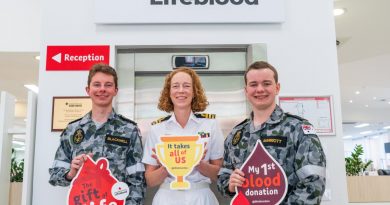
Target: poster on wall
(67, 109)
(318, 110)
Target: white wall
(303, 49)
(20, 22)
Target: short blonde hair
(199, 102)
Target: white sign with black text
(188, 11)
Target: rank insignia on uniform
(308, 129)
(276, 141)
(161, 120)
(237, 137)
(205, 115)
(78, 136)
(204, 134)
(121, 141)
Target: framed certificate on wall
(67, 109)
(318, 110)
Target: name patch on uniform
(204, 134)
(78, 136)
(276, 141)
(122, 141)
(237, 138)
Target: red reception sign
(95, 185)
(61, 58)
(265, 180)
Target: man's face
(102, 89)
(261, 89)
(181, 91)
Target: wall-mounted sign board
(318, 110)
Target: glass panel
(125, 98)
(227, 99)
(18, 145)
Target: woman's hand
(154, 156)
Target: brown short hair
(103, 68)
(199, 102)
(259, 65)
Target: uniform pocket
(116, 156)
(115, 152)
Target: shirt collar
(88, 117)
(112, 115)
(194, 118)
(276, 117)
(191, 118)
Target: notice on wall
(316, 109)
(67, 109)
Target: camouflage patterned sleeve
(226, 170)
(61, 164)
(310, 166)
(135, 170)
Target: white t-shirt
(207, 129)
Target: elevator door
(144, 71)
(223, 83)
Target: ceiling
(363, 55)
(364, 64)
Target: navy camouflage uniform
(118, 140)
(299, 153)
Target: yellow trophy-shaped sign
(179, 154)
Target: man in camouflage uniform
(289, 139)
(102, 133)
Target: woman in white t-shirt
(183, 96)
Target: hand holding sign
(236, 180)
(179, 154)
(154, 156)
(94, 184)
(265, 180)
(76, 164)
